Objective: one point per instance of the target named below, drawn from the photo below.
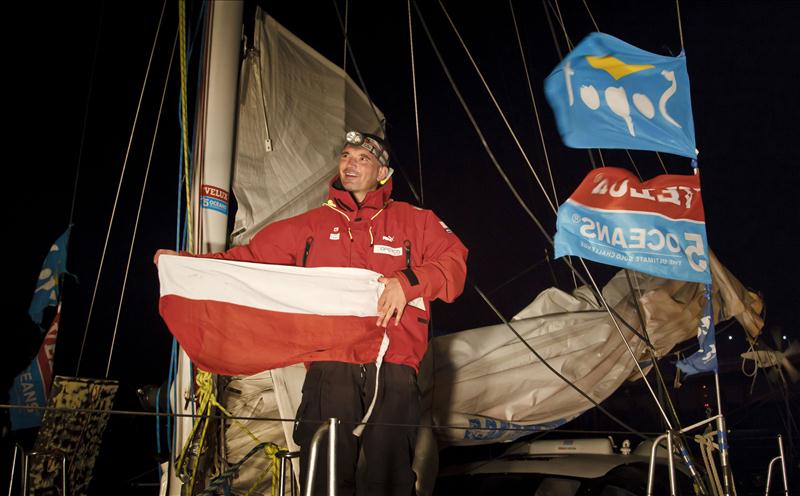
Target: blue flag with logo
(609, 94)
(48, 289)
(32, 385)
(704, 359)
(656, 226)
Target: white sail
(295, 108)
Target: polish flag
(241, 318)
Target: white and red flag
(241, 318)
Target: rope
(499, 110)
(505, 178)
(560, 19)
(230, 473)
(680, 25)
(590, 15)
(662, 163)
(184, 116)
(208, 401)
(139, 208)
(591, 158)
(633, 163)
(86, 117)
(533, 101)
(119, 188)
(552, 30)
(416, 108)
(346, 24)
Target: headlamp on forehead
(354, 138)
(369, 142)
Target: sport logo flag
(656, 227)
(609, 94)
(704, 359)
(241, 318)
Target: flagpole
(722, 434)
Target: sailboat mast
(213, 153)
(215, 126)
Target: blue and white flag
(48, 289)
(704, 359)
(32, 386)
(609, 94)
(656, 226)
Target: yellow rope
(207, 401)
(184, 118)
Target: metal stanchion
(330, 428)
(332, 457)
(652, 468)
(285, 456)
(783, 469)
(670, 462)
(17, 449)
(26, 469)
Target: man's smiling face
(360, 171)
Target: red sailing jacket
(393, 238)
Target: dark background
(743, 67)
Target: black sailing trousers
(379, 462)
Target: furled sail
(295, 108)
(487, 379)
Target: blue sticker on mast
(609, 94)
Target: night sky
(742, 59)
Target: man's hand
(392, 301)
(163, 252)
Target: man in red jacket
(421, 260)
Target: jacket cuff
(412, 288)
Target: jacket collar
(375, 200)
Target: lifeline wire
(522, 204)
(141, 202)
(119, 188)
(294, 420)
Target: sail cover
(295, 108)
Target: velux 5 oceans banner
(656, 227)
